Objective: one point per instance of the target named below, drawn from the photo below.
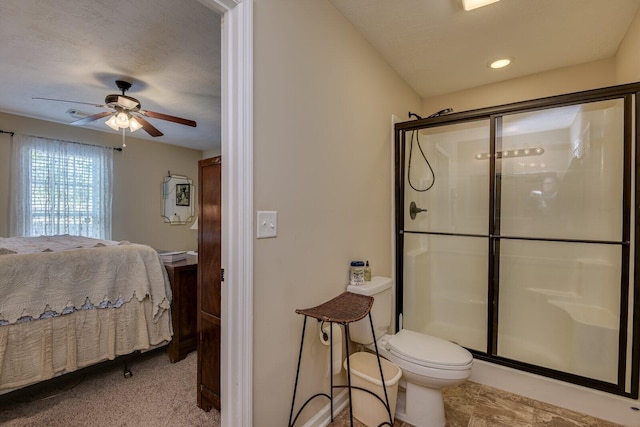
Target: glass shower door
(445, 234)
(516, 234)
(562, 250)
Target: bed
(67, 302)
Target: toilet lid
(425, 350)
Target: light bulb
(112, 123)
(474, 4)
(500, 63)
(134, 125)
(123, 120)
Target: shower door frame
(630, 94)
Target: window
(61, 187)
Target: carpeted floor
(158, 394)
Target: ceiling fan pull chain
(123, 144)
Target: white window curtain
(60, 187)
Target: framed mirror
(178, 200)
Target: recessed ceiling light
(500, 63)
(474, 4)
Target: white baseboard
(323, 417)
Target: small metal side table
(343, 309)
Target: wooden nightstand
(183, 276)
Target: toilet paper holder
(325, 336)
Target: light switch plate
(267, 224)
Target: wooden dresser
(183, 276)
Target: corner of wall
(627, 59)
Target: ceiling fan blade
(90, 119)
(169, 118)
(148, 127)
(72, 102)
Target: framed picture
(177, 206)
(183, 196)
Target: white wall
(138, 174)
(322, 153)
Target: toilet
(428, 363)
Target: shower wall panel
(445, 288)
(444, 177)
(550, 311)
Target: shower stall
(516, 234)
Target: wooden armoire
(209, 281)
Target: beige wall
(322, 154)
(138, 174)
(623, 68)
(564, 80)
(627, 58)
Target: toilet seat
(428, 351)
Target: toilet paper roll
(325, 338)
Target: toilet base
(420, 406)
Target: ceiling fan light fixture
(121, 114)
(134, 125)
(122, 119)
(112, 123)
(474, 4)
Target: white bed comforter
(39, 274)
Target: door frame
(236, 356)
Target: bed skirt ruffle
(42, 349)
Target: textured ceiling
(170, 50)
(76, 49)
(438, 48)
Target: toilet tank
(380, 289)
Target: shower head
(436, 114)
(440, 113)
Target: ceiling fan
(125, 113)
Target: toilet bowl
(428, 363)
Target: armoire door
(209, 281)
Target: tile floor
(476, 405)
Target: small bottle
(356, 273)
(367, 272)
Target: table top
(190, 260)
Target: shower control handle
(415, 210)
